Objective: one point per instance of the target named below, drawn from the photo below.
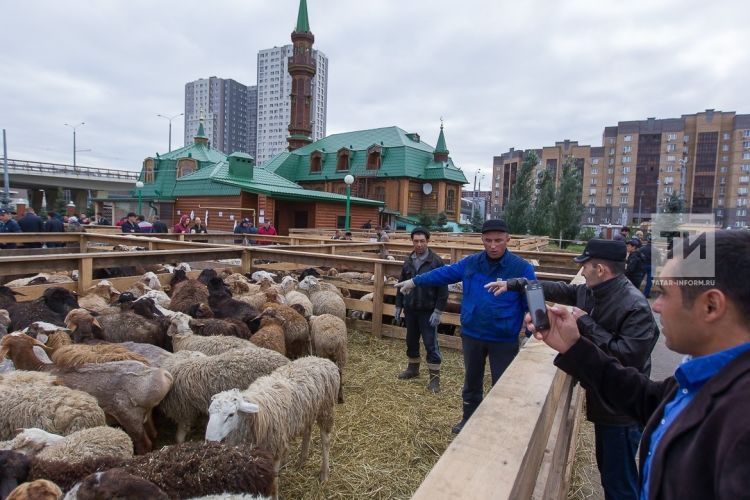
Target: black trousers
(418, 326)
(476, 352)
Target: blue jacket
(483, 315)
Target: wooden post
(247, 261)
(151, 245)
(454, 255)
(83, 247)
(85, 274)
(377, 301)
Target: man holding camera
(617, 318)
(696, 441)
(490, 325)
(423, 308)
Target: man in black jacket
(696, 441)
(131, 224)
(53, 225)
(31, 223)
(423, 307)
(617, 318)
(635, 265)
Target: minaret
(441, 150)
(302, 70)
(201, 137)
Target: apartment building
(702, 157)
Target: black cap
(603, 249)
(420, 230)
(3, 211)
(494, 225)
(245, 220)
(634, 241)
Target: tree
(541, 216)
(60, 207)
(425, 221)
(476, 220)
(518, 211)
(675, 205)
(440, 222)
(566, 216)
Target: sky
(500, 73)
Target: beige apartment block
(702, 157)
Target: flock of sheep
(261, 360)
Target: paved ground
(663, 361)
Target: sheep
(159, 297)
(30, 441)
(183, 339)
(143, 306)
(14, 469)
(4, 321)
(51, 307)
(41, 489)
(89, 443)
(116, 328)
(99, 297)
(260, 276)
(294, 296)
(33, 400)
(364, 315)
(198, 377)
(126, 390)
(296, 330)
(115, 483)
(257, 300)
(58, 339)
(279, 407)
(205, 324)
(75, 355)
(271, 332)
(324, 301)
(155, 355)
(328, 334)
(240, 285)
(186, 293)
(191, 469)
(41, 278)
(224, 306)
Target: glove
(405, 286)
(435, 318)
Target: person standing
(244, 227)
(423, 309)
(198, 226)
(100, 220)
(8, 225)
(367, 225)
(31, 223)
(53, 225)
(635, 267)
(144, 225)
(696, 439)
(490, 325)
(646, 253)
(182, 225)
(617, 318)
(131, 224)
(267, 229)
(623, 235)
(158, 226)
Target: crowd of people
(30, 222)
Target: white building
(274, 88)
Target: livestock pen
(392, 439)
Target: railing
(59, 169)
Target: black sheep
(14, 470)
(51, 307)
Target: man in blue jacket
(490, 325)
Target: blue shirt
(690, 376)
(483, 315)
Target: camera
(537, 306)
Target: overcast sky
(502, 74)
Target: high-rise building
(274, 101)
(227, 110)
(644, 165)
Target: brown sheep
(126, 326)
(187, 293)
(271, 332)
(41, 489)
(99, 297)
(73, 356)
(296, 329)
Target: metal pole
(6, 177)
(74, 146)
(170, 135)
(348, 204)
(139, 201)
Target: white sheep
(198, 377)
(183, 338)
(159, 297)
(99, 297)
(279, 407)
(294, 296)
(324, 301)
(31, 441)
(363, 315)
(31, 399)
(94, 442)
(328, 335)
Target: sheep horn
(97, 324)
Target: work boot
(459, 426)
(412, 371)
(434, 384)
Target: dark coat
(635, 268)
(129, 227)
(31, 223)
(159, 227)
(53, 225)
(422, 298)
(705, 453)
(619, 321)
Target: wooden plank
(377, 310)
(85, 272)
(502, 463)
(558, 481)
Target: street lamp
(139, 186)
(74, 127)
(170, 118)
(348, 180)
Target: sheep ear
(246, 407)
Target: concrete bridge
(43, 179)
